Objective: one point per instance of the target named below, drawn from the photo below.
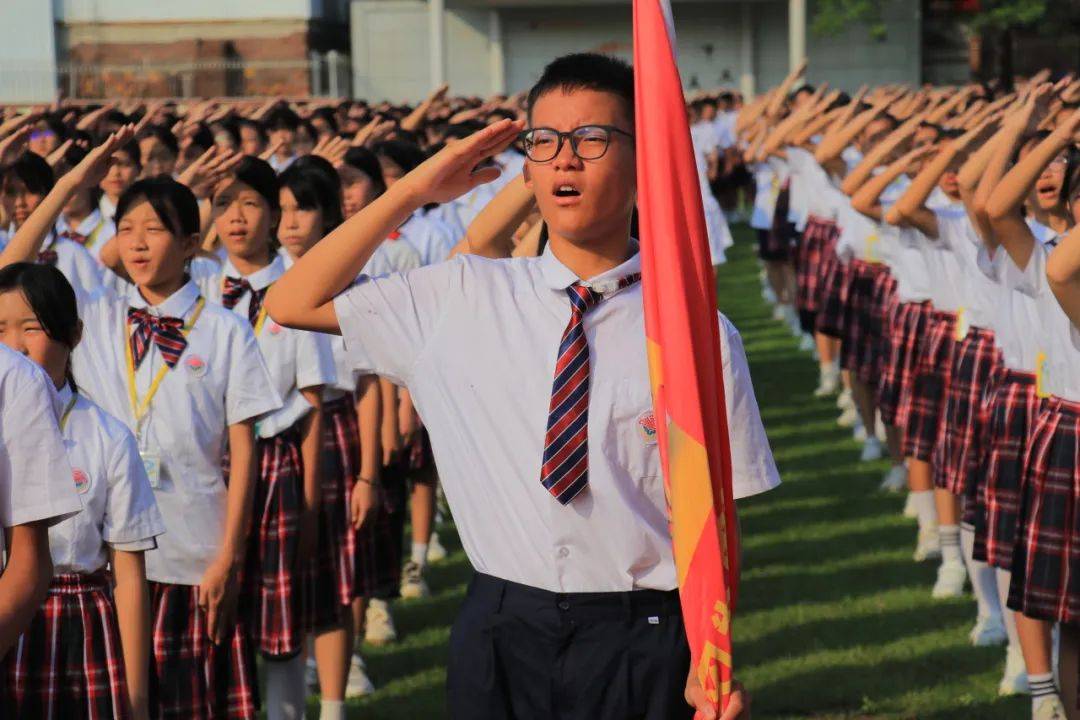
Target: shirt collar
(177, 305)
(65, 393)
(107, 208)
(261, 278)
(560, 277)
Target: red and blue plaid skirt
(902, 345)
(833, 289)
(810, 254)
(860, 348)
(930, 387)
(191, 678)
(69, 663)
(329, 583)
(1044, 585)
(1012, 413)
(958, 452)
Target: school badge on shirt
(195, 365)
(647, 426)
(275, 329)
(82, 481)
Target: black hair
(804, 89)
(842, 100)
(403, 154)
(52, 299)
(315, 184)
(228, 127)
(260, 177)
(282, 118)
(116, 117)
(586, 71)
(34, 172)
(55, 123)
(501, 114)
(202, 137)
(173, 202)
(327, 114)
(131, 149)
(462, 130)
(1028, 139)
(366, 162)
(164, 136)
(1072, 173)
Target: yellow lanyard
(133, 394)
(260, 319)
(67, 410)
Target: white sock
(923, 500)
(1042, 686)
(332, 710)
(983, 582)
(950, 544)
(419, 554)
(286, 696)
(1003, 578)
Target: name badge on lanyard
(151, 460)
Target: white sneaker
(1048, 708)
(412, 582)
(928, 546)
(358, 684)
(989, 630)
(859, 433)
(844, 400)
(895, 480)
(1014, 681)
(879, 429)
(791, 317)
(778, 312)
(806, 343)
(910, 511)
(848, 418)
(951, 578)
(829, 384)
(435, 551)
(768, 295)
(871, 450)
(379, 623)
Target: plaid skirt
(774, 244)
(329, 578)
(191, 678)
(1012, 413)
(833, 290)
(958, 451)
(380, 541)
(69, 663)
(273, 572)
(901, 347)
(930, 387)
(1048, 546)
(860, 347)
(817, 235)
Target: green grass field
(835, 620)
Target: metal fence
(320, 74)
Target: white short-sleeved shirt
(80, 268)
(446, 216)
(475, 341)
(297, 359)
(814, 185)
(35, 476)
(220, 380)
(428, 237)
(943, 272)
(1056, 337)
(119, 509)
(95, 227)
(510, 163)
(469, 205)
(977, 294)
(767, 187)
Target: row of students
(219, 372)
(939, 290)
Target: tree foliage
(832, 17)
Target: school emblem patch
(647, 426)
(195, 365)
(275, 329)
(82, 481)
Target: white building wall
(27, 51)
(111, 11)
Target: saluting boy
(574, 610)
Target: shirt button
(564, 552)
(563, 605)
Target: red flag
(683, 337)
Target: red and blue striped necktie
(165, 332)
(565, 472)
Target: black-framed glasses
(589, 142)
